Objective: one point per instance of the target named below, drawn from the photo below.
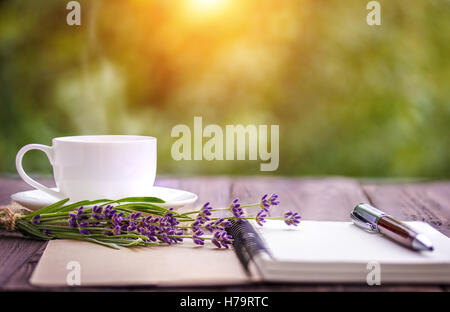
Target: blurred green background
(350, 99)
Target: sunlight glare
(206, 6)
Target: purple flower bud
(274, 200)
(199, 241)
(131, 228)
(199, 233)
(216, 242)
(292, 218)
(210, 226)
(72, 220)
(97, 209)
(97, 217)
(47, 232)
(260, 217)
(221, 239)
(84, 232)
(206, 212)
(237, 211)
(36, 220)
(165, 238)
(151, 237)
(80, 211)
(195, 225)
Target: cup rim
(105, 139)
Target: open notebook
(340, 252)
(315, 251)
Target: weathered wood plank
(429, 202)
(315, 199)
(328, 199)
(15, 253)
(19, 278)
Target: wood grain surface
(328, 198)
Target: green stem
(218, 209)
(198, 211)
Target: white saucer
(173, 198)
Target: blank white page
(344, 242)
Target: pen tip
(421, 242)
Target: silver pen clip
(364, 224)
(366, 217)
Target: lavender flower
(264, 203)
(197, 237)
(132, 227)
(169, 219)
(210, 226)
(97, 217)
(206, 211)
(267, 201)
(260, 217)
(84, 231)
(223, 223)
(73, 220)
(274, 200)
(97, 209)
(199, 221)
(221, 239)
(236, 209)
(135, 228)
(36, 219)
(292, 218)
(178, 239)
(164, 238)
(135, 216)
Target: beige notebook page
(175, 265)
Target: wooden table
(328, 198)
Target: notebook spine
(246, 242)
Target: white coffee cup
(97, 166)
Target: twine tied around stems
(8, 216)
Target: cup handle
(49, 152)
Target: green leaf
(83, 203)
(139, 200)
(50, 208)
(71, 206)
(27, 228)
(144, 207)
(110, 245)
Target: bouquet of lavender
(136, 221)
